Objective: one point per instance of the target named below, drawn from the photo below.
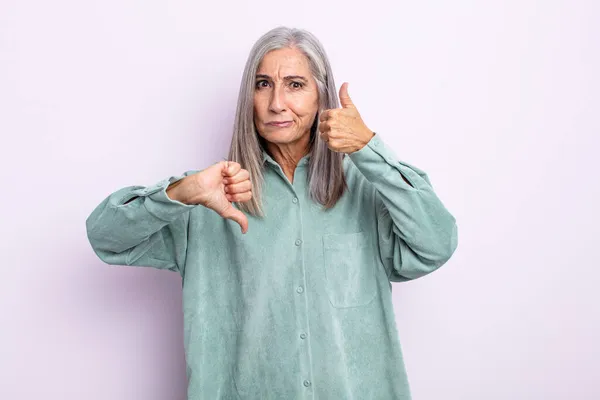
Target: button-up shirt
(299, 307)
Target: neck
(287, 155)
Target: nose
(277, 103)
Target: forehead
(283, 62)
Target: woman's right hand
(216, 187)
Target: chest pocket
(349, 269)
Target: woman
(298, 304)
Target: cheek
(306, 107)
(259, 108)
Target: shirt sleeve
(150, 230)
(416, 233)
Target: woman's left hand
(342, 128)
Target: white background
(497, 101)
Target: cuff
(159, 204)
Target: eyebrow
(287, 78)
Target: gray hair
(326, 180)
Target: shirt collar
(267, 158)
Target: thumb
(236, 215)
(345, 99)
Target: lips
(282, 124)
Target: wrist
(365, 141)
(179, 191)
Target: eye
(259, 83)
(297, 85)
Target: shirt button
(295, 200)
(307, 383)
(298, 242)
(303, 336)
(300, 289)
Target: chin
(281, 135)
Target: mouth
(283, 124)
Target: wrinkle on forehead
(283, 62)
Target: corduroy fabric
(300, 307)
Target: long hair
(326, 180)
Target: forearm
(130, 215)
(419, 217)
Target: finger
(324, 126)
(239, 177)
(345, 99)
(324, 136)
(238, 187)
(236, 215)
(231, 168)
(325, 115)
(239, 197)
(334, 145)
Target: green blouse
(300, 307)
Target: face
(285, 91)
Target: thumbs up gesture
(342, 128)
